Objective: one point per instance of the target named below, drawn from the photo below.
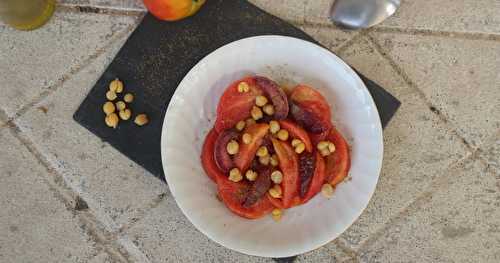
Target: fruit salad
(272, 149)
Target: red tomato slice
(207, 155)
(289, 165)
(246, 154)
(315, 111)
(317, 180)
(297, 133)
(235, 106)
(317, 137)
(314, 188)
(337, 164)
(303, 93)
(278, 203)
(234, 194)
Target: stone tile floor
(68, 197)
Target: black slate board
(157, 56)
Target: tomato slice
(317, 180)
(304, 93)
(289, 165)
(233, 195)
(207, 155)
(310, 109)
(278, 203)
(235, 106)
(337, 165)
(246, 153)
(314, 188)
(317, 137)
(297, 133)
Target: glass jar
(26, 14)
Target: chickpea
(110, 95)
(327, 190)
(235, 175)
(112, 120)
(120, 105)
(141, 119)
(260, 101)
(274, 127)
(283, 135)
(128, 98)
(125, 114)
(268, 109)
(240, 125)
(251, 175)
(243, 87)
(116, 86)
(232, 147)
(108, 107)
(277, 177)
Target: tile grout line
(3, 118)
(140, 215)
(73, 71)
(412, 85)
(438, 33)
(72, 200)
(152, 205)
(482, 153)
(77, 8)
(408, 31)
(306, 4)
(342, 47)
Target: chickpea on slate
(116, 87)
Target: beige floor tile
(458, 223)
(317, 11)
(491, 152)
(308, 11)
(102, 257)
(3, 118)
(459, 77)
(328, 253)
(330, 37)
(291, 10)
(32, 62)
(166, 235)
(478, 16)
(418, 147)
(363, 56)
(34, 224)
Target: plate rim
(341, 62)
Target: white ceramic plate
(191, 114)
